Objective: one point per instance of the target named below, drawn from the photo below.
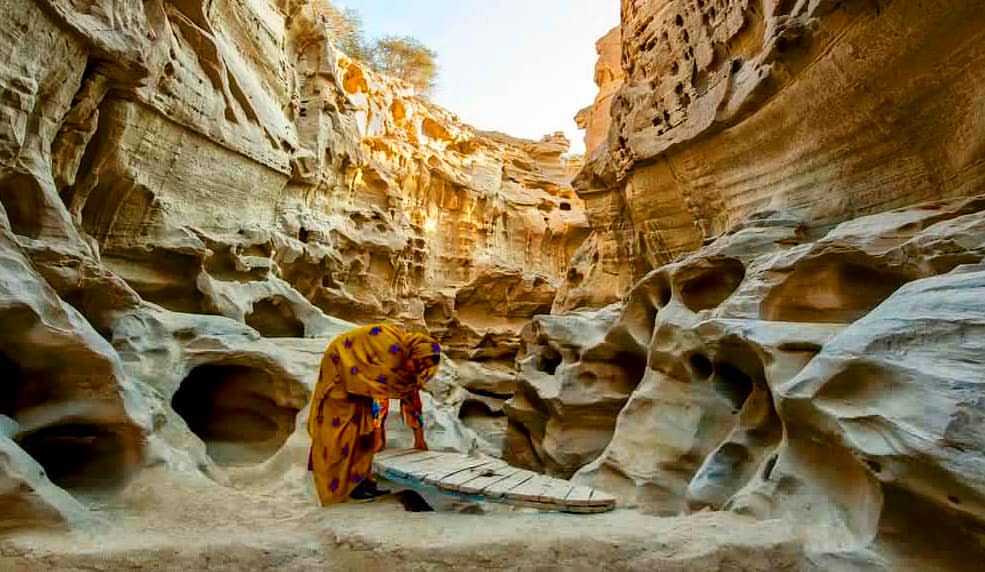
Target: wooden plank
(386, 454)
(435, 476)
(490, 478)
(578, 496)
(456, 481)
(600, 498)
(499, 489)
(407, 465)
(476, 486)
(555, 492)
(531, 490)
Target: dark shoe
(364, 492)
(371, 485)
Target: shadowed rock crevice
(76, 441)
(83, 456)
(706, 284)
(236, 411)
(831, 288)
(274, 318)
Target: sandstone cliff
(190, 188)
(758, 313)
(830, 109)
(773, 314)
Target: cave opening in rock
(274, 318)
(11, 382)
(548, 360)
(234, 410)
(733, 384)
(79, 454)
(832, 290)
(83, 456)
(709, 283)
(20, 196)
(701, 366)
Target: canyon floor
(167, 522)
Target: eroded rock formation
(763, 303)
(732, 107)
(832, 382)
(783, 351)
(196, 197)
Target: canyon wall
(196, 197)
(832, 110)
(774, 312)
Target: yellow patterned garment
(360, 371)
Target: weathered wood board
(488, 479)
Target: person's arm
(412, 410)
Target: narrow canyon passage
(750, 311)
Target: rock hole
(953, 499)
(236, 411)
(733, 384)
(768, 467)
(830, 289)
(679, 20)
(549, 360)
(874, 465)
(708, 283)
(21, 197)
(83, 456)
(274, 318)
(701, 366)
(565, 206)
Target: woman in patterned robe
(361, 371)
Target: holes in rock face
(274, 318)
(165, 278)
(708, 283)
(830, 290)
(768, 467)
(733, 384)
(78, 454)
(565, 206)
(548, 360)
(701, 366)
(304, 234)
(953, 499)
(11, 383)
(83, 456)
(20, 196)
(574, 276)
(679, 20)
(235, 411)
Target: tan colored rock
(778, 376)
(732, 107)
(596, 118)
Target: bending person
(361, 371)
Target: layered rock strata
(196, 197)
(833, 382)
(831, 109)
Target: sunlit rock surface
(832, 110)
(833, 382)
(759, 315)
(196, 198)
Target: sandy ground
(165, 521)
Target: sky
(523, 67)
